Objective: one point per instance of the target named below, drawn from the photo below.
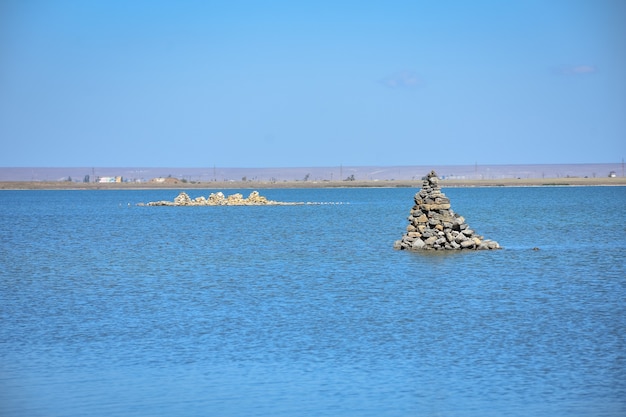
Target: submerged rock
(433, 225)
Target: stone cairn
(434, 226)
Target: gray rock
(460, 238)
(433, 225)
(418, 244)
(468, 243)
(433, 222)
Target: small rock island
(219, 199)
(434, 226)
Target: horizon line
(308, 166)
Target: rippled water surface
(109, 309)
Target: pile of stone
(219, 199)
(434, 226)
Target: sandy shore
(220, 185)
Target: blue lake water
(110, 309)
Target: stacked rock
(219, 199)
(434, 226)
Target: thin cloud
(577, 70)
(402, 80)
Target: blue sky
(323, 83)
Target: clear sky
(311, 83)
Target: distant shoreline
(220, 185)
(333, 175)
